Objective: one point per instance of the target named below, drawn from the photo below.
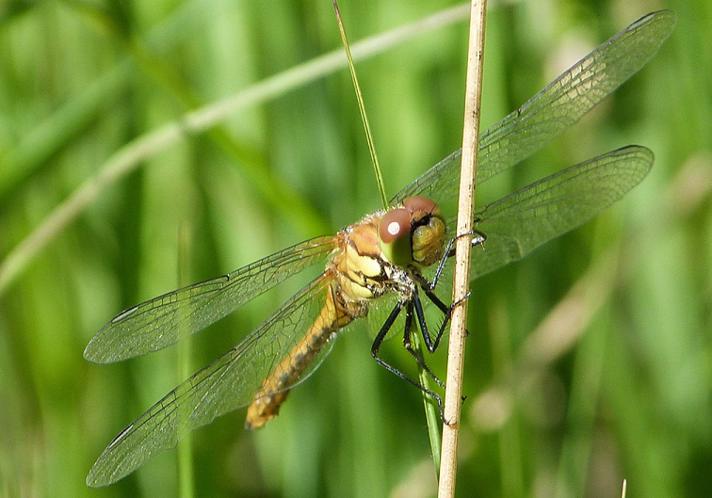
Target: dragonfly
(395, 255)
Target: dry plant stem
(468, 170)
(132, 155)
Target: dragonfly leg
(401, 375)
(446, 310)
(430, 343)
(416, 353)
(478, 239)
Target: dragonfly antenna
(361, 107)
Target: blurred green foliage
(589, 362)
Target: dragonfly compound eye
(394, 235)
(420, 206)
(429, 241)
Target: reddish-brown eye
(394, 225)
(419, 203)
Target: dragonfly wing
(523, 220)
(555, 108)
(228, 383)
(159, 322)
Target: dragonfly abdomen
(333, 316)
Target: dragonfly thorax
(378, 254)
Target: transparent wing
(227, 384)
(158, 322)
(523, 220)
(555, 108)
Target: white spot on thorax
(394, 228)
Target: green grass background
(588, 363)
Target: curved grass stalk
(129, 157)
(361, 107)
(49, 136)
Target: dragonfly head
(414, 233)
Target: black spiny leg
(478, 239)
(417, 353)
(377, 345)
(444, 308)
(431, 344)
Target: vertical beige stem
(468, 170)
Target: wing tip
(91, 353)
(95, 353)
(664, 18)
(645, 156)
(95, 479)
(92, 482)
(667, 16)
(111, 345)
